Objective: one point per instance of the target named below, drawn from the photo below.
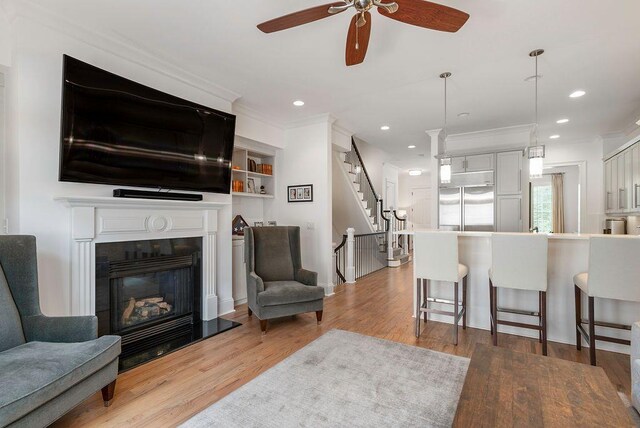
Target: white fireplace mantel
(97, 220)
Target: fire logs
(138, 311)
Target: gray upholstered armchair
(277, 285)
(48, 365)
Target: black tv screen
(119, 132)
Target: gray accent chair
(277, 285)
(48, 365)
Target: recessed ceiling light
(577, 94)
(298, 103)
(562, 121)
(385, 127)
(464, 114)
(411, 147)
(415, 172)
(554, 137)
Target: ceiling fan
(415, 12)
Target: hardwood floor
(171, 389)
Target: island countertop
(568, 256)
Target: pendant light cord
(536, 100)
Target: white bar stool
(614, 273)
(519, 262)
(435, 258)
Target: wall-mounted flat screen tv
(119, 132)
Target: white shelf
(252, 195)
(257, 174)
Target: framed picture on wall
(251, 185)
(300, 193)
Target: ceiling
(589, 44)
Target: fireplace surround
(106, 220)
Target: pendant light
(536, 151)
(445, 161)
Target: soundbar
(143, 194)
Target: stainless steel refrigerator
(467, 204)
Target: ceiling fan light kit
(420, 13)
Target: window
(542, 207)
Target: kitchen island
(568, 255)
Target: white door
(390, 195)
(419, 212)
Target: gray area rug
(346, 379)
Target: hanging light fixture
(536, 151)
(445, 161)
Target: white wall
(306, 159)
(34, 100)
(374, 160)
(5, 39)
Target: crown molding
(28, 10)
(312, 120)
(529, 128)
(242, 109)
(342, 130)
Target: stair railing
(359, 255)
(400, 223)
(370, 196)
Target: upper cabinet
(509, 173)
(472, 163)
(622, 182)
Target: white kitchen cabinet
(509, 173)
(509, 213)
(457, 165)
(622, 181)
(608, 189)
(476, 163)
(472, 163)
(238, 272)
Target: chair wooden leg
(263, 325)
(108, 393)
(495, 315)
(319, 316)
(491, 306)
(418, 305)
(592, 333)
(540, 316)
(543, 317)
(249, 311)
(456, 320)
(578, 307)
(464, 303)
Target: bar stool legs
(541, 315)
(459, 308)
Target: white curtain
(557, 186)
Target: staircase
(389, 245)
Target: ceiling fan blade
(358, 40)
(299, 18)
(427, 15)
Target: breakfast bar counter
(568, 255)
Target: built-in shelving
(251, 181)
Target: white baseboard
(226, 306)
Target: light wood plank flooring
(171, 389)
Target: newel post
(351, 267)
